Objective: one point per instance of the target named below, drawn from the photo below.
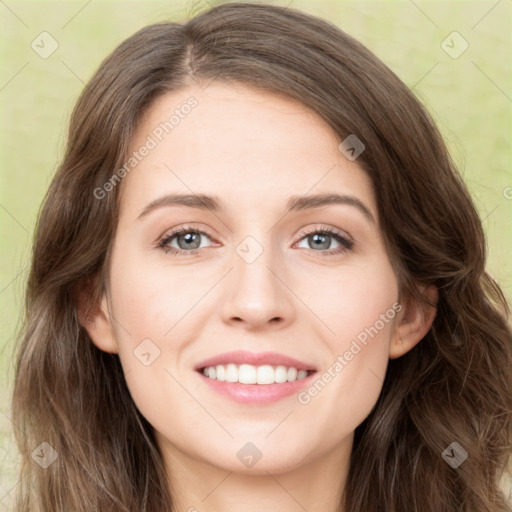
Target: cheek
(151, 299)
(158, 310)
(359, 310)
(354, 300)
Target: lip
(256, 394)
(256, 359)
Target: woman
(259, 281)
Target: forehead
(251, 148)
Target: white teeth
(221, 372)
(266, 374)
(281, 374)
(231, 373)
(302, 374)
(249, 374)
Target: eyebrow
(215, 204)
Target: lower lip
(256, 393)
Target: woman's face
(281, 256)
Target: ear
(413, 322)
(94, 316)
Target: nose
(256, 293)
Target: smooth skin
(302, 296)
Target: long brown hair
(454, 386)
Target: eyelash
(345, 242)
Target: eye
(183, 240)
(188, 241)
(321, 239)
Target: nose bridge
(257, 295)
(253, 276)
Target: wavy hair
(453, 386)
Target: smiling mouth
(252, 374)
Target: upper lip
(255, 359)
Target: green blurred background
(470, 97)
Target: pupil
(322, 244)
(189, 237)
